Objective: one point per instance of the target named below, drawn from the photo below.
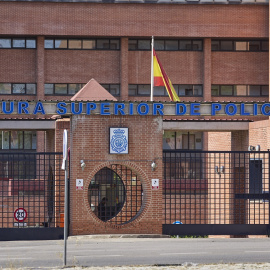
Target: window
(181, 90)
(173, 140)
(240, 90)
(82, 44)
(240, 45)
(64, 89)
(61, 89)
(18, 140)
(17, 43)
(17, 89)
(166, 45)
(113, 89)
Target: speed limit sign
(20, 214)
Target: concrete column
(207, 69)
(124, 69)
(40, 76)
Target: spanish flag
(161, 78)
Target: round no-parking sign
(20, 214)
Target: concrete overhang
(27, 124)
(205, 126)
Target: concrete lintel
(205, 126)
(27, 124)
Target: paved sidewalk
(186, 266)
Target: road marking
(92, 255)
(183, 253)
(15, 259)
(257, 251)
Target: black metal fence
(216, 192)
(31, 196)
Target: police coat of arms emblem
(119, 140)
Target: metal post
(65, 167)
(66, 214)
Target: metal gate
(216, 193)
(31, 196)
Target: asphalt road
(133, 251)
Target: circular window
(115, 194)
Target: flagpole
(152, 70)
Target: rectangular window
(254, 46)
(5, 43)
(17, 43)
(173, 140)
(132, 90)
(5, 88)
(48, 89)
(185, 45)
(240, 90)
(180, 89)
(215, 90)
(265, 90)
(31, 89)
(48, 43)
(240, 45)
(18, 88)
(114, 89)
(166, 44)
(103, 44)
(226, 45)
(18, 140)
(171, 45)
(226, 90)
(159, 91)
(31, 43)
(215, 45)
(89, 44)
(254, 90)
(265, 45)
(60, 89)
(74, 88)
(159, 45)
(143, 90)
(61, 43)
(28, 140)
(82, 44)
(114, 44)
(144, 45)
(5, 135)
(75, 44)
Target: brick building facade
(213, 51)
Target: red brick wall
(240, 68)
(87, 19)
(90, 142)
(79, 66)
(18, 65)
